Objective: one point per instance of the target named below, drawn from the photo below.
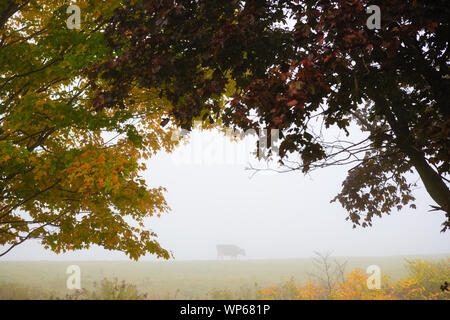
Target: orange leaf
(292, 103)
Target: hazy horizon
(270, 215)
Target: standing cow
(229, 250)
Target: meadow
(201, 279)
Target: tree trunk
(433, 182)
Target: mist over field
(281, 220)
(224, 150)
(214, 200)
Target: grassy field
(186, 279)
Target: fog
(214, 200)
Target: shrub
(423, 282)
(108, 290)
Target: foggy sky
(270, 215)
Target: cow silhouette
(229, 250)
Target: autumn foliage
(328, 67)
(80, 110)
(423, 283)
(70, 175)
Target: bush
(108, 290)
(15, 291)
(423, 282)
(244, 293)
